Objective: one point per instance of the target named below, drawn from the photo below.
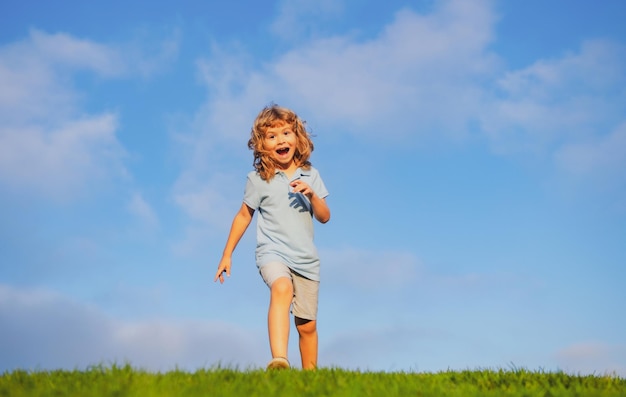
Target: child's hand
(224, 267)
(320, 209)
(302, 187)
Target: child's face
(281, 143)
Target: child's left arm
(320, 208)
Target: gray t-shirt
(285, 220)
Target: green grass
(127, 381)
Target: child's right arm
(238, 228)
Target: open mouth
(283, 151)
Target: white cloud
(436, 346)
(146, 56)
(206, 204)
(44, 330)
(596, 68)
(384, 348)
(236, 94)
(593, 357)
(46, 144)
(599, 157)
(59, 160)
(559, 100)
(423, 76)
(369, 270)
(298, 18)
(406, 80)
(380, 272)
(209, 203)
(63, 50)
(143, 210)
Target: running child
(287, 192)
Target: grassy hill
(127, 381)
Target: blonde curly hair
(274, 116)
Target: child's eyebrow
(283, 129)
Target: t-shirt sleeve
(317, 184)
(251, 195)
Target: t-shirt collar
(299, 172)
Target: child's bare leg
(281, 295)
(307, 329)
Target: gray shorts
(305, 291)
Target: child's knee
(306, 327)
(282, 287)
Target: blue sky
(475, 154)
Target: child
(287, 192)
